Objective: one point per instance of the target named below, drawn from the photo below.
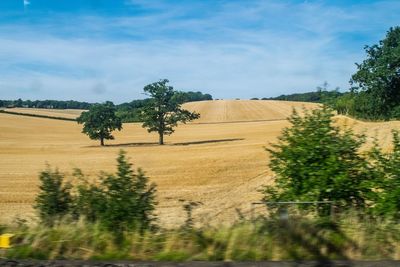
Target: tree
(100, 121)
(377, 79)
(316, 161)
(54, 199)
(163, 111)
(19, 103)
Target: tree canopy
(163, 111)
(377, 80)
(100, 121)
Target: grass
(348, 238)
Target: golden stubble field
(217, 163)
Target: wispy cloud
(227, 48)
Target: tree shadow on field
(207, 142)
(136, 144)
(133, 144)
(147, 144)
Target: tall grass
(348, 237)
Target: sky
(98, 50)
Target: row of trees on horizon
(128, 111)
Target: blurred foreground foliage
(315, 160)
(117, 202)
(300, 238)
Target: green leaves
(128, 199)
(316, 161)
(120, 202)
(387, 184)
(163, 112)
(54, 199)
(377, 80)
(100, 121)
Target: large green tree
(100, 121)
(163, 111)
(377, 80)
(314, 160)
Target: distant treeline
(128, 112)
(319, 96)
(49, 104)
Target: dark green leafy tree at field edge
(100, 121)
(163, 111)
(376, 83)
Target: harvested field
(221, 165)
(218, 111)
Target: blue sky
(97, 50)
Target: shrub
(54, 199)
(387, 186)
(316, 161)
(119, 202)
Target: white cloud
(234, 51)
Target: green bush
(314, 160)
(119, 202)
(54, 200)
(387, 186)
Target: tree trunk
(102, 141)
(161, 138)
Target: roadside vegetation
(114, 216)
(301, 238)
